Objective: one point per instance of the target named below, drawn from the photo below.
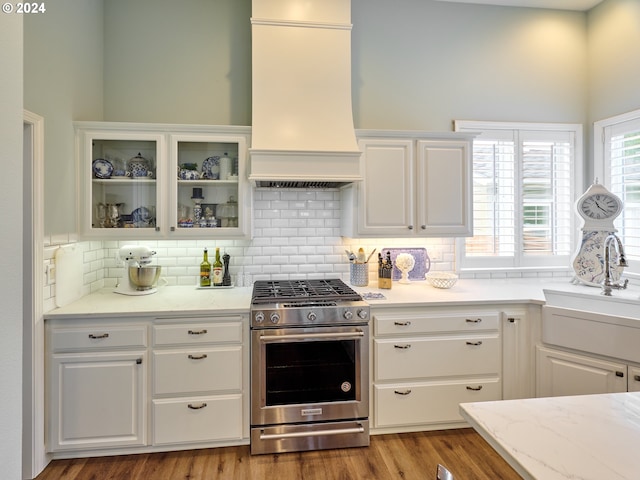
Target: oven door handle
(318, 433)
(311, 336)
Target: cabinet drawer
(428, 403)
(198, 333)
(197, 370)
(436, 323)
(199, 419)
(405, 358)
(98, 337)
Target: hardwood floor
(406, 456)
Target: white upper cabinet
(152, 181)
(414, 185)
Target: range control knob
(311, 316)
(259, 317)
(275, 317)
(363, 314)
(348, 315)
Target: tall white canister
(225, 167)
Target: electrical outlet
(50, 274)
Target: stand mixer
(138, 277)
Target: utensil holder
(359, 274)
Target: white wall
(419, 64)
(614, 58)
(11, 30)
(63, 82)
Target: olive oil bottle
(205, 271)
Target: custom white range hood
(302, 126)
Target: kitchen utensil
(359, 274)
(441, 279)
(351, 255)
(370, 255)
(360, 257)
(69, 274)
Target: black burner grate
(270, 291)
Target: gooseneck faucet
(608, 284)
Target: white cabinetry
(198, 380)
(111, 390)
(562, 373)
(426, 362)
(586, 353)
(97, 386)
(414, 185)
(131, 185)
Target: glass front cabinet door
(145, 181)
(208, 198)
(122, 183)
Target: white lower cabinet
(97, 386)
(426, 362)
(198, 381)
(110, 390)
(562, 373)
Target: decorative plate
(422, 262)
(102, 168)
(211, 168)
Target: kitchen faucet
(607, 284)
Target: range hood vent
(302, 121)
(296, 184)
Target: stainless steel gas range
(309, 366)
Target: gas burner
(272, 291)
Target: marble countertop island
(585, 437)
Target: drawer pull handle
(619, 374)
(98, 337)
(636, 378)
(475, 389)
(138, 361)
(403, 347)
(196, 407)
(402, 324)
(475, 344)
(473, 320)
(198, 332)
(198, 357)
(398, 392)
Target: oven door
(313, 374)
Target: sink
(582, 319)
(624, 303)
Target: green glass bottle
(217, 269)
(205, 271)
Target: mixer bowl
(144, 278)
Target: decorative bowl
(441, 279)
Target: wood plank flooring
(407, 456)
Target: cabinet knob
(402, 324)
(636, 378)
(138, 361)
(197, 357)
(197, 332)
(405, 392)
(410, 227)
(423, 227)
(157, 229)
(99, 336)
(619, 374)
(173, 229)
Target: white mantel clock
(598, 208)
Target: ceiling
(582, 5)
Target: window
(525, 179)
(618, 165)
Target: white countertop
(105, 302)
(586, 437)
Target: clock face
(600, 206)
